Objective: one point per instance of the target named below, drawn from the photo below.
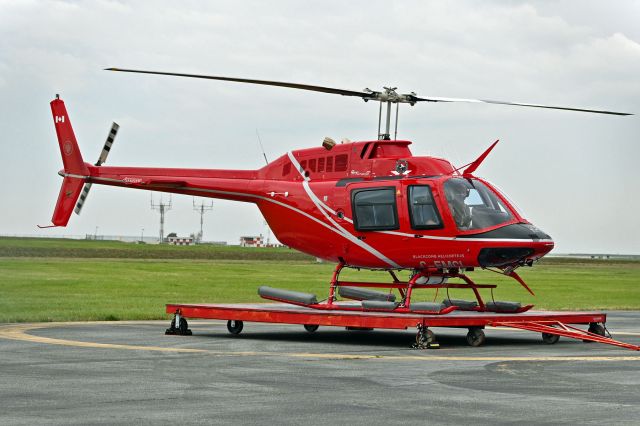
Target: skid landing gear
(179, 326)
(425, 339)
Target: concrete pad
(126, 372)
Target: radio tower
(202, 208)
(162, 207)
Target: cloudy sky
(575, 175)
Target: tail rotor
(101, 160)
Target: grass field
(60, 280)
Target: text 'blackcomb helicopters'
(368, 204)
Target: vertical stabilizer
(69, 150)
(75, 170)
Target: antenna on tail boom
(262, 147)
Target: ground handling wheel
(311, 327)
(425, 339)
(475, 337)
(234, 326)
(550, 339)
(181, 328)
(595, 328)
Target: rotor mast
(387, 134)
(389, 97)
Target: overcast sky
(574, 175)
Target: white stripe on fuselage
(337, 228)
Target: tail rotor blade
(103, 157)
(107, 145)
(83, 197)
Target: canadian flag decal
(59, 118)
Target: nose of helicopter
(515, 244)
(541, 246)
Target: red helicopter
(368, 204)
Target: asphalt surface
(130, 372)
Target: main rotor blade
(323, 89)
(486, 101)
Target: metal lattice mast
(162, 207)
(202, 208)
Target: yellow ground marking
(20, 332)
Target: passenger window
(374, 209)
(321, 164)
(423, 211)
(329, 164)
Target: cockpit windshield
(473, 205)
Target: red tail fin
(69, 193)
(69, 150)
(73, 165)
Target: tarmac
(130, 372)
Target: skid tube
(421, 279)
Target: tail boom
(240, 185)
